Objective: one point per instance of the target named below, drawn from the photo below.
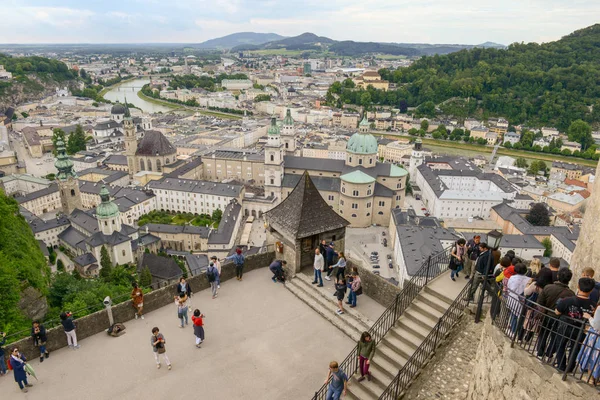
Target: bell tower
(273, 161)
(130, 141)
(288, 133)
(68, 183)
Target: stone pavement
(261, 343)
(448, 374)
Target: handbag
(358, 291)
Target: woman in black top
(38, 333)
(340, 292)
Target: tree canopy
(538, 215)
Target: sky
(194, 21)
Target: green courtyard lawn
(164, 217)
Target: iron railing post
(574, 353)
(484, 286)
(427, 273)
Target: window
(350, 159)
(381, 203)
(369, 205)
(123, 253)
(355, 206)
(343, 189)
(355, 193)
(105, 223)
(272, 157)
(330, 198)
(370, 161)
(360, 161)
(369, 192)
(397, 197)
(342, 202)
(353, 215)
(272, 181)
(380, 213)
(287, 145)
(72, 192)
(368, 214)
(399, 185)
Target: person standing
(158, 347)
(184, 287)
(18, 361)
(457, 258)
(366, 351)
(480, 266)
(66, 319)
(38, 333)
(2, 362)
(338, 382)
(341, 266)
(318, 266)
(276, 268)
(588, 272)
(355, 288)
(329, 257)
(197, 320)
(182, 308)
(549, 275)
(472, 254)
(137, 299)
(218, 265)
(340, 292)
(212, 274)
(238, 260)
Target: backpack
(210, 274)
(9, 365)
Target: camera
(107, 301)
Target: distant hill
(239, 39)
(310, 41)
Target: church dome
(273, 129)
(288, 120)
(106, 209)
(362, 143)
(118, 109)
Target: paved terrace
(261, 343)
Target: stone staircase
(399, 344)
(321, 299)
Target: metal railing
(433, 267)
(427, 348)
(569, 345)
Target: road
(46, 167)
(360, 242)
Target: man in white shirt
(318, 265)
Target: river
(130, 89)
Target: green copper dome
(362, 143)
(288, 120)
(397, 171)
(273, 129)
(106, 209)
(63, 163)
(357, 177)
(365, 122)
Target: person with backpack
(66, 319)
(17, 362)
(276, 268)
(457, 257)
(218, 265)
(197, 320)
(212, 274)
(158, 342)
(2, 362)
(137, 300)
(473, 251)
(340, 292)
(38, 333)
(238, 260)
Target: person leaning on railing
(589, 356)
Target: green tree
(60, 266)
(521, 163)
(145, 277)
(52, 258)
(105, 265)
(536, 166)
(581, 132)
(76, 141)
(425, 125)
(547, 243)
(56, 135)
(262, 97)
(538, 215)
(427, 109)
(217, 215)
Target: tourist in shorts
(158, 347)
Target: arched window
(287, 145)
(360, 161)
(149, 165)
(380, 213)
(123, 253)
(353, 215)
(158, 165)
(167, 162)
(73, 192)
(272, 157)
(142, 166)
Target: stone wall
(505, 373)
(123, 312)
(587, 251)
(374, 286)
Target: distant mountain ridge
(309, 41)
(239, 39)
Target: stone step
(379, 376)
(357, 391)
(433, 301)
(403, 347)
(441, 296)
(385, 367)
(426, 310)
(371, 388)
(327, 293)
(342, 324)
(392, 356)
(422, 320)
(407, 326)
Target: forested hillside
(554, 83)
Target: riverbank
(175, 106)
(109, 88)
(158, 102)
(488, 149)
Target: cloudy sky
(427, 21)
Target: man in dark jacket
(184, 287)
(2, 362)
(588, 272)
(549, 274)
(480, 266)
(330, 255)
(38, 333)
(276, 268)
(472, 254)
(548, 298)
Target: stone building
(300, 222)
(68, 184)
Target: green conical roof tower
(127, 113)
(273, 129)
(364, 122)
(288, 120)
(63, 163)
(106, 209)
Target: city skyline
(187, 21)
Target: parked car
(374, 253)
(376, 266)
(427, 214)
(389, 257)
(383, 233)
(418, 197)
(391, 266)
(423, 209)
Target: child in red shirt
(198, 327)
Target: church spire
(127, 113)
(63, 163)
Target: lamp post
(494, 238)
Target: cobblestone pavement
(449, 373)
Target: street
(46, 162)
(360, 242)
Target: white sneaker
(328, 278)
(218, 286)
(136, 316)
(142, 317)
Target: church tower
(68, 184)
(416, 159)
(288, 133)
(130, 142)
(108, 214)
(273, 161)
